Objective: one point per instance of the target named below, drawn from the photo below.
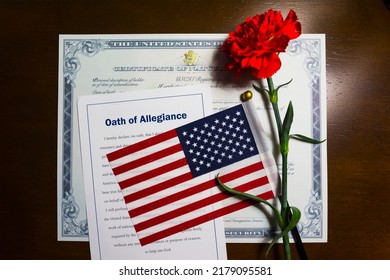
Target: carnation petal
(291, 26)
(269, 65)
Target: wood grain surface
(358, 81)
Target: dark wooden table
(358, 97)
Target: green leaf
(286, 126)
(306, 139)
(285, 84)
(295, 217)
(252, 197)
(260, 90)
(288, 119)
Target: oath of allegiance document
(110, 122)
(106, 64)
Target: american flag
(168, 180)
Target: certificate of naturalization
(110, 122)
(107, 64)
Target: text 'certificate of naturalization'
(110, 122)
(106, 64)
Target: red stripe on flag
(152, 173)
(141, 145)
(194, 189)
(198, 204)
(146, 159)
(202, 219)
(158, 187)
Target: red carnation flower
(256, 43)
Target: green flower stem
(273, 95)
(284, 207)
(287, 247)
(288, 217)
(284, 202)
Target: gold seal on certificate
(190, 58)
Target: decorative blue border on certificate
(73, 48)
(70, 225)
(314, 210)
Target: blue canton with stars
(217, 140)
